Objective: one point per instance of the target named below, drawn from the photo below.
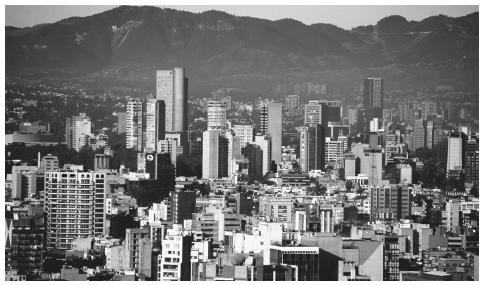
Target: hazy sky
(343, 16)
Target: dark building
(26, 243)
(222, 156)
(391, 258)
(244, 203)
(307, 260)
(102, 161)
(333, 111)
(373, 94)
(364, 118)
(183, 204)
(161, 119)
(472, 161)
(255, 162)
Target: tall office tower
(334, 110)
(264, 142)
(245, 133)
(271, 123)
(74, 204)
(455, 153)
(254, 153)
(428, 109)
(316, 113)
(429, 134)
(121, 122)
(172, 88)
(373, 93)
(215, 155)
(419, 134)
(134, 124)
(292, 102)
(472, 161)
(182, 205)
(390, 202)
(391, 258)
(349, 165)
(312, 147)
(371, 164)
(77, 131)
(102, 161)
(49, 163)
(137, 251)
(216, 115)
(154, 122)
(175, 258)
(334, 152)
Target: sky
(344, 16)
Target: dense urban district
(122, 184)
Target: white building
(216, 115)
(455, 153)
(264, 142)
(172, 87)
(75, 206)
(134, 124)
(245, 133)
(78, 131)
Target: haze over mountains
(222, 50)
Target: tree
(474, 190)
(349, 185)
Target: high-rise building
(428, 109)
(182, 205)
(215, 155)
(255, 161)
(334, 130)
(429, 134)
(271, 123)
(371, 164)
(292, 102)
(334, 151)
(472, 161)
(455, 153)
(216, 115)
(316, 113)
(172, 88)
(373, 93)
(74, 206)
(78, 130)
(334, 110)
(391, 258)
(390, 202)
(134, 124)
(245, 133)
(265, 143)
(121, 122)
(311, 147)
(154, 123)
(419, 134)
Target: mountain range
(222, 50)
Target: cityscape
(185, 178)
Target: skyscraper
(255, 157)
(373, 94)
(455, 153)
(264, 142)
(172, 88)
(215, 155)
(245, 133)
(78, 130)
(316, 113)
(216, 115)
(292, 102)
(271, 123)
(371, 164)
(419, 134)
(312, 143)
(472, 161)
(134, 124)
